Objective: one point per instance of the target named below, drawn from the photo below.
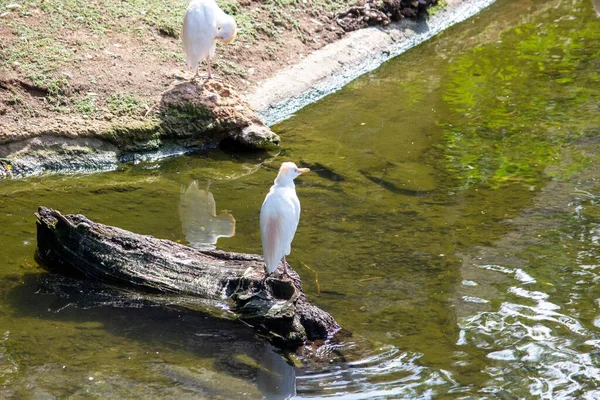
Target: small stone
(177, 75)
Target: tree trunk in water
(74, 245)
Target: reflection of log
(73, 244)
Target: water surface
(451, 222)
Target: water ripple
(535, 346)
(390, 373)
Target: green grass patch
(163, 54)
(86, 105)
(124, 104)
(228, 68)
(14, 100)
(40, 48)
(36, 53)
(441, 4)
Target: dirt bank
(83, 83)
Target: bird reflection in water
(275, 379)
(201, 225)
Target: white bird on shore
(279, 217)
(204, 24)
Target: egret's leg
(263, 281)
(197, 72)
(210, 74)
(285, 267)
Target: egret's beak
(303, 170)
(232, 37)
(227, 40)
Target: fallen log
(279, 310)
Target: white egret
(279, 217)
(204, 24)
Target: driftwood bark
(74, 245)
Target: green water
(451, 222)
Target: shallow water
(451, 222)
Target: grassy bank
(111, 59)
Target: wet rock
(256, 135)
(41, 154)
(324, 171)
(377, 12)
(409, 179)
(210, 112)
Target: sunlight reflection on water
(390, 373)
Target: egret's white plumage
(204, 24)
(279, 216)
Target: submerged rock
(37, 154)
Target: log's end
(50, 217)
(49, 251)
(44, 216)
(279, 310)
